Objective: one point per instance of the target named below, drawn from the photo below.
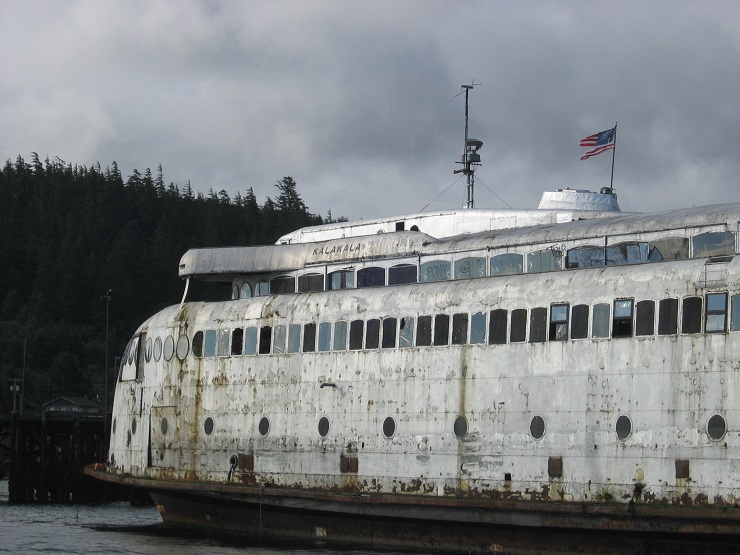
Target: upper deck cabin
(571, 229)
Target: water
(113, 528)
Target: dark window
(309, 337)
(237, 341)
(622, 322)
(497, 327)
(282, 284)
(208, 426)
(716, 316)
(389, 426)
(441, 329)
(264, 426)
(356, 330)
(537, 427)
(518, 325)
(323, 426)
(538, 325)
(645, 318)
(310, 282)
(403, 273)
(198, 344)
(371, 277)
(716, 427)
(459, 329)
(692, 314)
(372, 334)
(668, 317)
(389, 333)
(623, 427)
(424, 331)
(558, 322)
(579, 322)
(460, 426)
(265, 338)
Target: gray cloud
(356, 101)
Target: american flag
(602, 141)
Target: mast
(470, 157)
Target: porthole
(169, 348)
(264, 426)
(461, 426)
(323, 426)
(148, 353)
(114, 425)
(208, 426)
(537, 427)
(133, 425)
(183, 346)
(624, 427)
(113, 459)
(164, 426)
(157, 349)
(717, 427)
(389, 427)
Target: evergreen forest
(83, 250)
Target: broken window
(459, 329)
(545, 260)
(558, 322)
(309, 337)
(585, 257)
(406, 333)
(441, 329)
(714, 243)
(373, 276)
(622, 321)
(631, 252)
(310, 282)
(436, 270)
(497, 327)
(324, 336)
(402, 273)
(645, 318)
(518, 325)
(278, 342)
(538, 325)
(692, 315)
(669, 248)
(198, 344)
(222, 343)
(237, 341)
(507, 264)
(424, 331)
(471, 267)
(265, 339)
(716, 316)
(372, 334)
(340, 336)
(478, 328)
(579, 322)
(601, 319)
(668, 317)
(389, 333)
(356, 331)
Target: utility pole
(14, 388)
(470, 158)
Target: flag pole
(614, 153)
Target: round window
(461, 426)
(235, 293)
(624, 427)
(183, 346)
(246, 291)
(537, 427)
(717, 427)
(164, 426)
(323, 426)
(133, 425)
(264, 426)
(114, 425)
(157, 349)
(208, 426)
(169, 348)
(389, 427)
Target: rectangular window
(497, 326)
(278, 341)
(735, 315)
(459, 329)
(559, 322)
(518, 325)
(406, 333)
(340, 336)
(478, 328)
(265, 339)
(237, 341)
(691, 316)
(441, 329)
(309, 337)
(538, 325)
(310, 282)
(668, 317)
(716, 316)
(579, 322)
(645, 318)
(356, 331)
(250, 341)
(324, 336)
(389, 333)
(209, 349)
(372, 334)
(622, 321)
(601, 320)
(294, 338)
(222, 343)
(140, 357)
(424, 331)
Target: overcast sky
(357, 100)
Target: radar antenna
(470, 158)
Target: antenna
(470, 158)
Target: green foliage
(70, 233)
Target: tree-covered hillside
(69, 234)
